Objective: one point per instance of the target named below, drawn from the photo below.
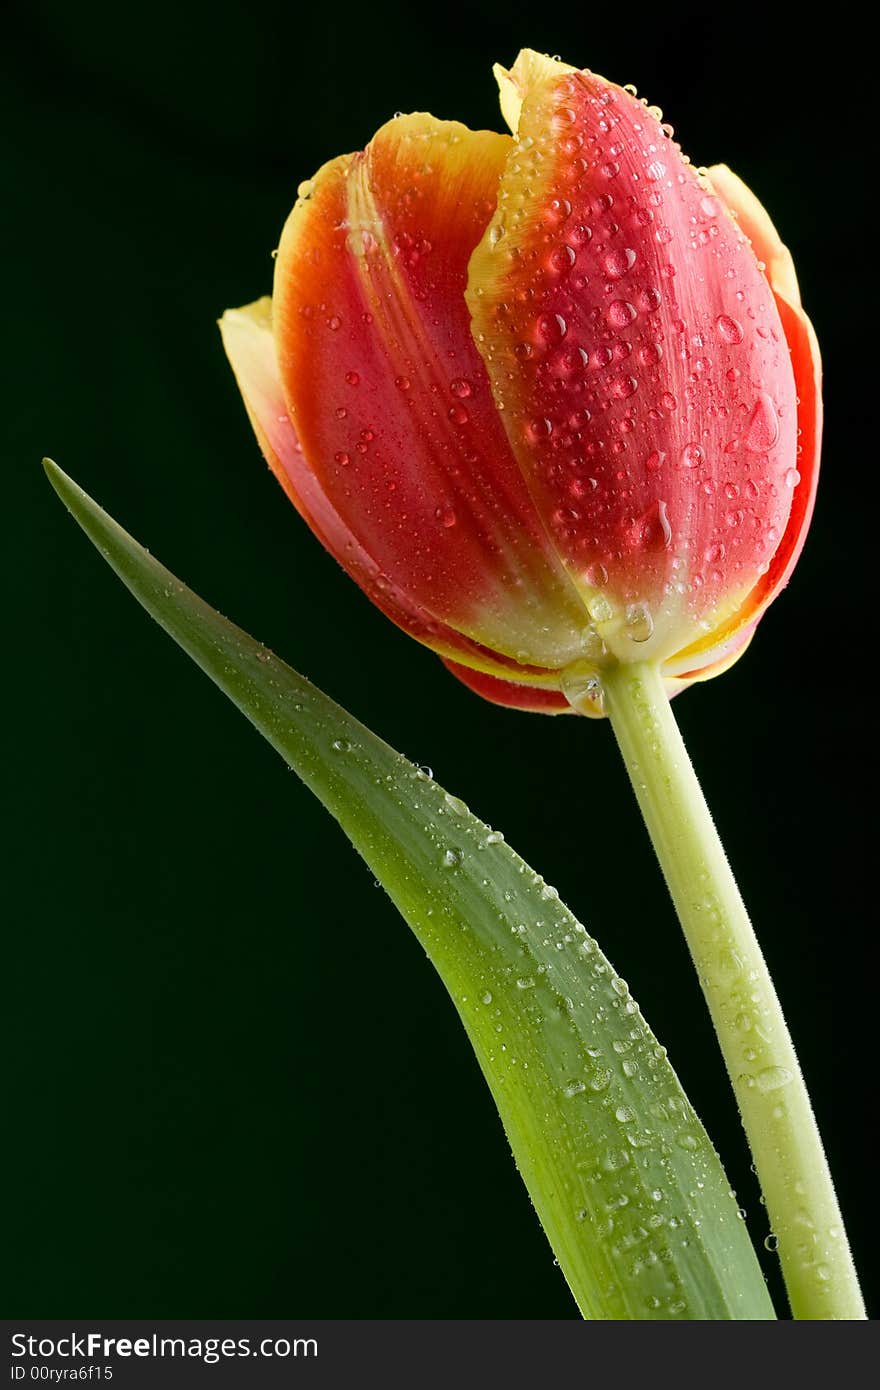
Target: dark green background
(211, 1114)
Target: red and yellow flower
(549, 398)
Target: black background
(215, 1110)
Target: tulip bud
(551, 400)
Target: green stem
(767, 1080)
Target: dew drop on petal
(539, 428)
(762, 431)
(729, 329)
(617, 262)
(551, 328)
(653, 531)
(639, 623)
(692, 455)
(623, 386)
(620, 313)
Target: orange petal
(389, 395)
(250, 346)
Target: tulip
(549, 398)
(552, 401)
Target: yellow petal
(529, 69)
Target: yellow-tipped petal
(529, 69)
(755, 221)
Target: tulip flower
(549, 398)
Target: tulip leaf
(625, 1180)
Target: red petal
(637, 354)
(807, 367)
(389, 395)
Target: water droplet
(668, 401)
(599, 608)
(762, 431)
(461, 387)
(525, 982)
(334, 322)
(653, 531)
(446, 516)
(620, 313)
(455, 804)
(342, 458)
(580, 685)
(623, 386)
(771, 1242)
(771, 1078)
(562, 258)
(692, 455)
(618, 262)
(729, 329)
(654, 462)
(650, 354)
(452, 858)
(792, 478)
(551, 328)
(539, 428)
(458, 414)
(574, 1088)
(639, 623)
(353, 378)
(341, 745)
(487, 997)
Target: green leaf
(625, 1180)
